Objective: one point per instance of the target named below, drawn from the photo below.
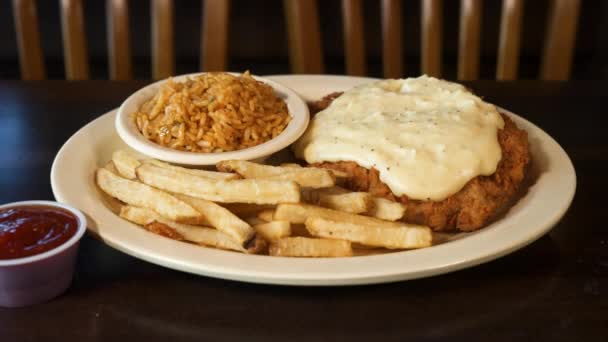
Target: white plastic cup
(40, 277)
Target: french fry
(299, 212)
(386, 209)
(380, 208)
(137, 215)
(306, 247)
(304, 176)
(273, 230)
(113, 203)
(266, 215)
(206, 236)
(405, 236)
(221, 218)
(125, 163)
(164, 230)
(145, 196)
(194, 172)
(259, 191)
(352, 202)
(197, 234)
(336, 173)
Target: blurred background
(258, 39)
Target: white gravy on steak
(426, 137)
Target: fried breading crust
(473, 207)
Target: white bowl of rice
(201, 119)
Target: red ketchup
(30, 230)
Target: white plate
(545, 202)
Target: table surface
(551, 289)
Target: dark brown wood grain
(554, 289)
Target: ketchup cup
(40, 277)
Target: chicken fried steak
(471, 208)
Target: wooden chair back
(213, 39)
(305, 48)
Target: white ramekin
(40, 277)
(128, 132)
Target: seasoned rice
(213, 112)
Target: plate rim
(323, 278)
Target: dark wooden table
(554, 289)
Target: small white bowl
(40, 277)
(128, 132)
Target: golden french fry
(304, 176)
(142, 195)
(273, 230)
(197, 234)
(386, 209)
(164, 230)
(352, 202)
(194, 172)
(113, 203)
(149, 220)
(299, 212)
(266, 215)
(306, 247)
(125, 163)
(336, 173)
(137, 215)
(405, 236)
(220, 218)
(259, 191)
(380, 208)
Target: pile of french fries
(286, 210)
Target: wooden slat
(31, 59)
(469, 35)
(163, 60)
(560, 39)
(304, 34)
(431, 37)
(119, 47)
(74, 40)
(508, 46)
(214, 37)
(354, 42)
(392, 52)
